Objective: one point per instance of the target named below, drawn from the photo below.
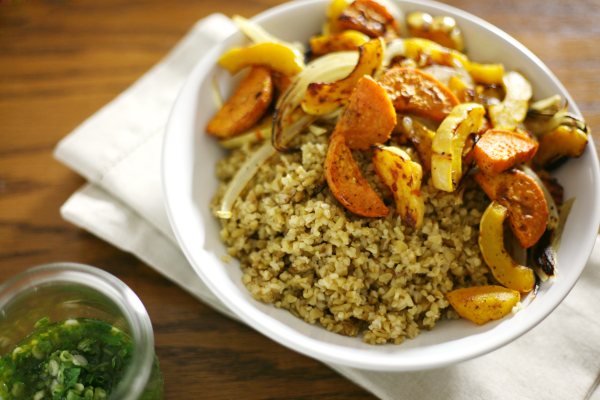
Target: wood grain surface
(61, 61)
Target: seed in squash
(368, 118)
(347, 183)
(247, 105)
(403, 176)
(414, 91)
(498, 150)
(482, 304)
(524, 199)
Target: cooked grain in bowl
(303, 251)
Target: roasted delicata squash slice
(415, 47)
(513, 109)
(403, 176)
(343, 41)
(459, 88)
(333, 15)
(488, 74)
(324, 98)
(276, 56)
(482, 304)
(420, 136)
(246, 107)
(370, 18)
(491, 242)
(524, 199)
(414, 91)
(449, 142)
(564, 141)
(440, 29)
(347, 184)
(368, 118)
(498, 150)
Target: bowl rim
(330, 352)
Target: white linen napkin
(118, 151)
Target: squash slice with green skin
(449, 142)
(347, 183)
(403, 176)
(482, 304)
(491, 242)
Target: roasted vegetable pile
(403, 91)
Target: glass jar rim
(138, 373)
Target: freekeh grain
(301, 250)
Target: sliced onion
(398, 15)
(553, 217)
(331, 67)
(242, 177)
(542, 121)
(393, 49)
(255, 135)
(216, 94)
(551, 104)
(257, 34)
(443, 74)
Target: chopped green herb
(73, 359)
(42, 322)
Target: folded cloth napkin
(118, 151)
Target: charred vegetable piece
(543, 254)
(413, 91)
(499, 150)
(564, 141)
(370, 18)
(524, 199)
(441, 29)
(347, 184)
(247, 105)
(491, 242)
(488, 74)
(449, 142)
(403, 176)
(343, 41)
(556, 190)
(482, 304)
(420, 136)
(323, 98)
(369, 116)
(513, 109)
(463, 93)
(415, 47)
(333, 15)
(276, 56)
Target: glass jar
(63, 291)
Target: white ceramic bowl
(189, 158)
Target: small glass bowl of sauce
(75, 332)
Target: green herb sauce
(73, 359)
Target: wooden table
(60, 61)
